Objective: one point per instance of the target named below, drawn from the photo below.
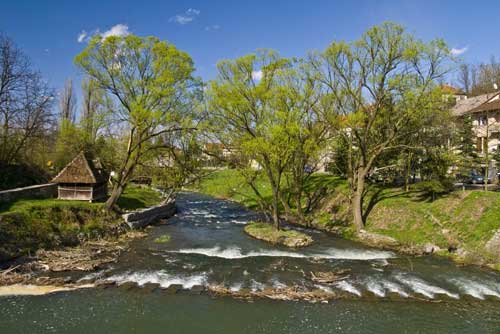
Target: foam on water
(474, 288)
(376, 288)
(241, 222)
(159, 277)
(277, 284)
(323, 288)
(380, 287)
(234, 252)
(346, 286)
(256, 286)
(420, 286)
(236, 287)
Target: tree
(262, 107)
(96, 110)
(152, 85)
(25, 102)
(384, 88)
(464, 77)
(465, 144)
(67, 103)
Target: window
(483, 120)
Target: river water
(383, 292)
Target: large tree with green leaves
(261, 107)
(383, 88)
(153, 88)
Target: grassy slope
(29, 224)
(229, 184)
(466, 219)
(136, 197)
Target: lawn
(137, 197)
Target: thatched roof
(82, 169)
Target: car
(475, 178)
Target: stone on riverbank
(377, 240)
(267, 232)
(144, 217)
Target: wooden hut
(84, 178)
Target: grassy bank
(27, 225)
(460, 220)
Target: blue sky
(48, 31)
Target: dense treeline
(368, 110)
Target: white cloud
(120, 30)
(459, 51)
(212, 27)
(187, 17)
(193, 12)
(81, 36)
(257, 75)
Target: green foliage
(152, 89)
(270, 120)
(21, 175)
(468, 157)
(70, 141)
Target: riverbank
(462, 225)
(32, 228)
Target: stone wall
(141, 218)
(48, 190)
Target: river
(383, 292)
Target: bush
(434, 187)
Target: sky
(52, 33)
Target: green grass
(461, 219)
(267, 232)
(136, 197)
(163, 239)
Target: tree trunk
(357, 200)
(275, 209)
(115, 195)
(407, 172)
(300, 210)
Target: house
(84, 178)
(484, 111)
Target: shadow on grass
(378, 194)
(129, 203)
